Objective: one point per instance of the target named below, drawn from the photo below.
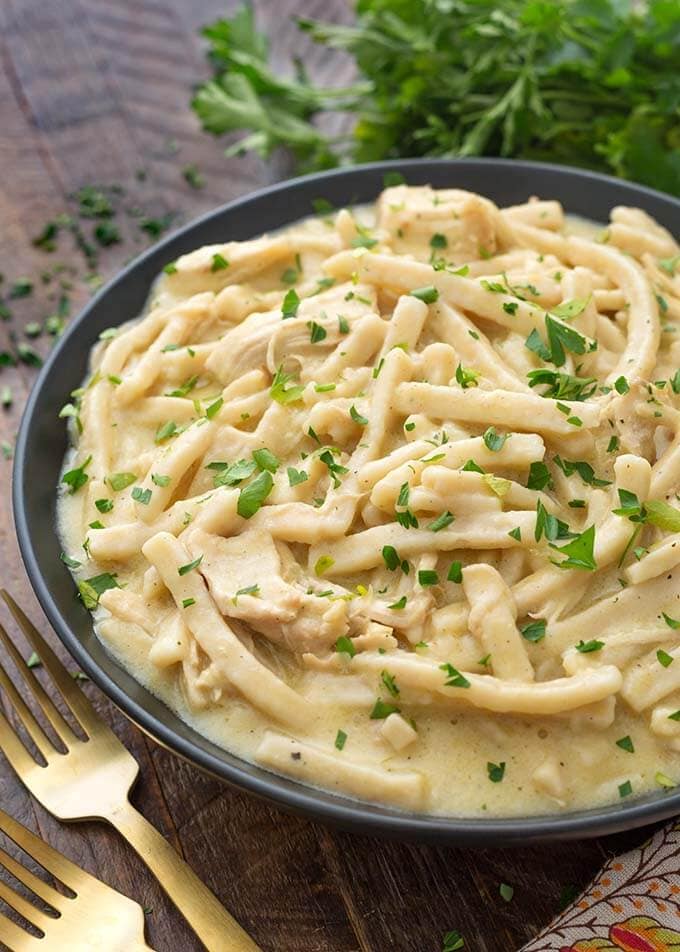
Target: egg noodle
(386, 502)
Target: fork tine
(56, 864)
(33, 728)
(79, 705)
(38, 886)
(14, 937)
(25, 908)
(14, 750)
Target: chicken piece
(471, 226)
(281, 610)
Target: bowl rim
(290, 795)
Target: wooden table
(93, 91)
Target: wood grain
(94, 92)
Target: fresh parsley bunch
(593, 83)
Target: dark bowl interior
(42, 442)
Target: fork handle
(217, 930)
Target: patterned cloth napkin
(633, 904)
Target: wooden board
(93, 92)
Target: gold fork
(94, 916)
(92, 780)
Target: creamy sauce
(462, 760)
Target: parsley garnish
(626, 743)
(340, 740)
(265, 459)
(455, 573)
(190, 566)
(118, 481)
(454, 679)
(357, 417)
(539, 476)
(427, 577)
(534, 631)
(427, 294)
(281, 392)
(494, 441)
(579, 551)
(664, 659)
(383, 709)
(296, 476)
(323, 564)
(390, 683)
(76, 478)
(496, 772)
(441, 522)
(587, 647)
(466, 377)
(345, 645)
(91, 589)
(252, 496)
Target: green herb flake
(345, 645)
(587, 647)
(534, 631)
(626, 743)
(455, 573)
(427, 577)
(357, 417)
(441, 522)
(91, 589)
(290, 305)
(506, 892)
(494, 441)
(664, 659)
(495, 772)
(340, 740)
(266, 460)
(621, 385)
(382, 709)
(296, 476)
(76, 478)
(252, 496)
(190, 566)
(119, 481)
(625, 789)
(428, 294)
(454, 679)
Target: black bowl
(42, 442)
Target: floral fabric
(633, 905)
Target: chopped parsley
(455, 573)
(390, 683)
(91, 589)
(219, 263)
(671, 622)
(441, 522)
(534, 631)
(142, 496)
(190, 566)
(621, 385)
(281, 392)
(357, 417)
(466, 377)
(427, 577)
(587, 647)
(539, 477)
(345, 645)
(664, 659)
(428, 294)
(165, 431)
(579, 551)
(323, 564)
(340, 740)
(265, 459)
(104, 505)
(454, 679)
(626, 743)
(625, 789)
(119, 481)
(296, 476)
(494, 441)
(383, 709)
(252, 496)
(290, 305)
(399, 605)
(495, 772)
(317, 333)
(76, 478)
